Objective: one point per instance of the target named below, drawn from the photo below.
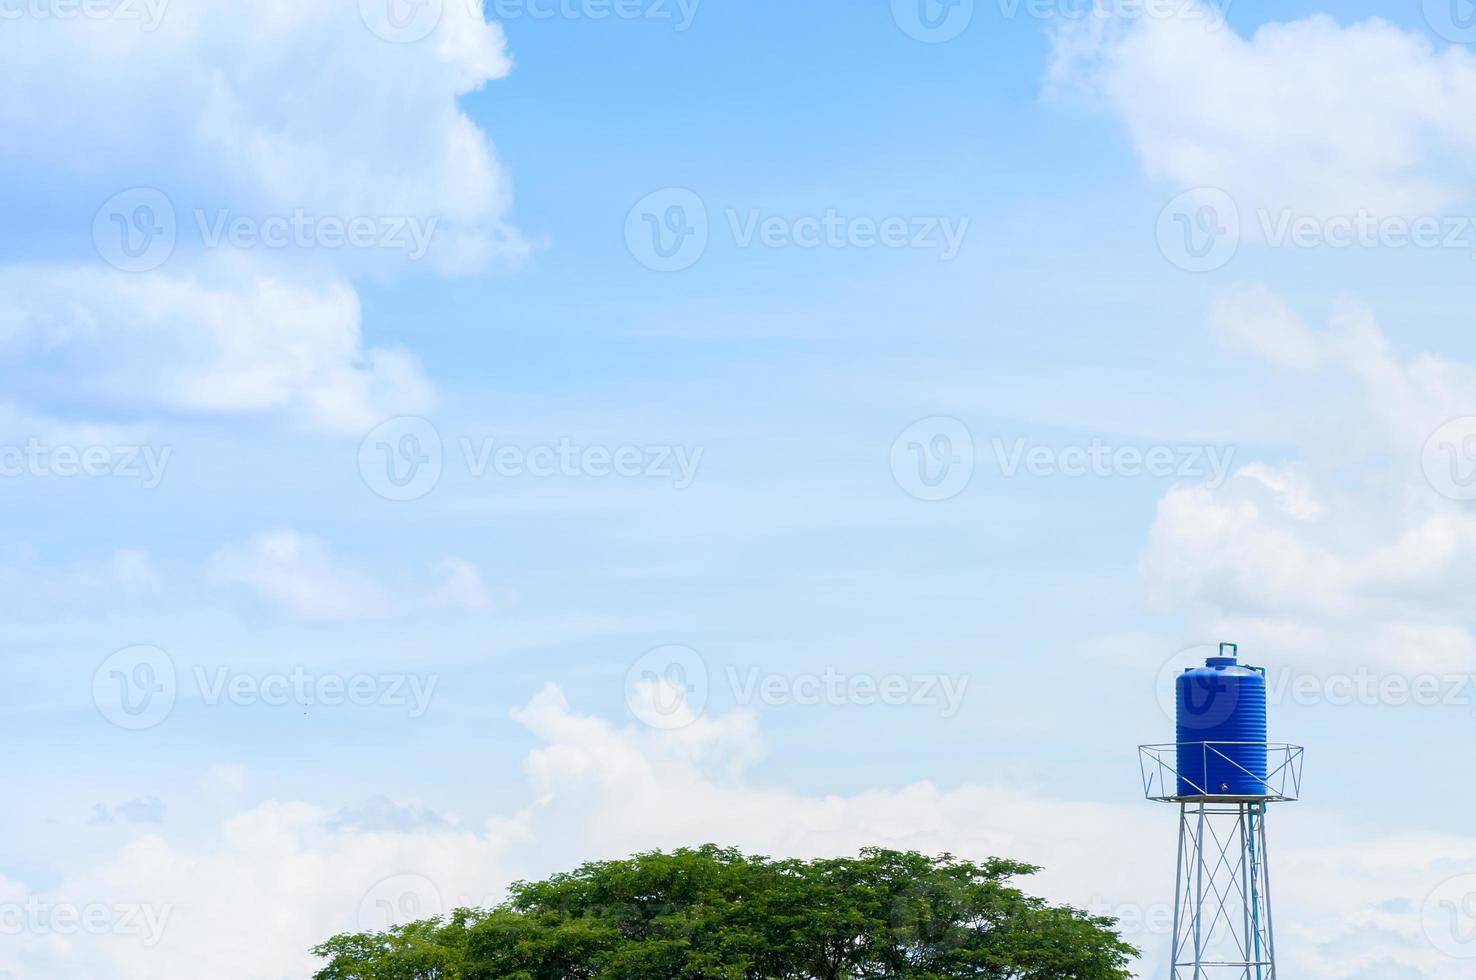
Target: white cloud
(228, 347)
(461, 587)
(1346, 550)
(297, 574)
(225, 781)
(1309, 115)
(383, 814)
(252, 112)
(601, 790)
(1256, 321)
(148, 809)
(264, 107)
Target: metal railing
(1282, 782)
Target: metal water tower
(1223, 774)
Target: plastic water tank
(1222, 728)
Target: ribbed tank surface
(1222, 729)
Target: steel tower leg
(1222, 893)
(1199, 897)
(1266, 871)
(1245, 832)
(1179, 885)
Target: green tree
(717, 914)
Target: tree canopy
(717, 914)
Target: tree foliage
(716, 914)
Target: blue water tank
(1222, 728)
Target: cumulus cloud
(298, 575)
(261, 109)
(295, 574)
(145, 810)
(1257, 322)
(461, 587)
(237, 147)
(227, 347)
(384, 814)
(1347, 548)
(601, 789)
(1311, 115)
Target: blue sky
(502, 621)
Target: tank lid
(1227, 658)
